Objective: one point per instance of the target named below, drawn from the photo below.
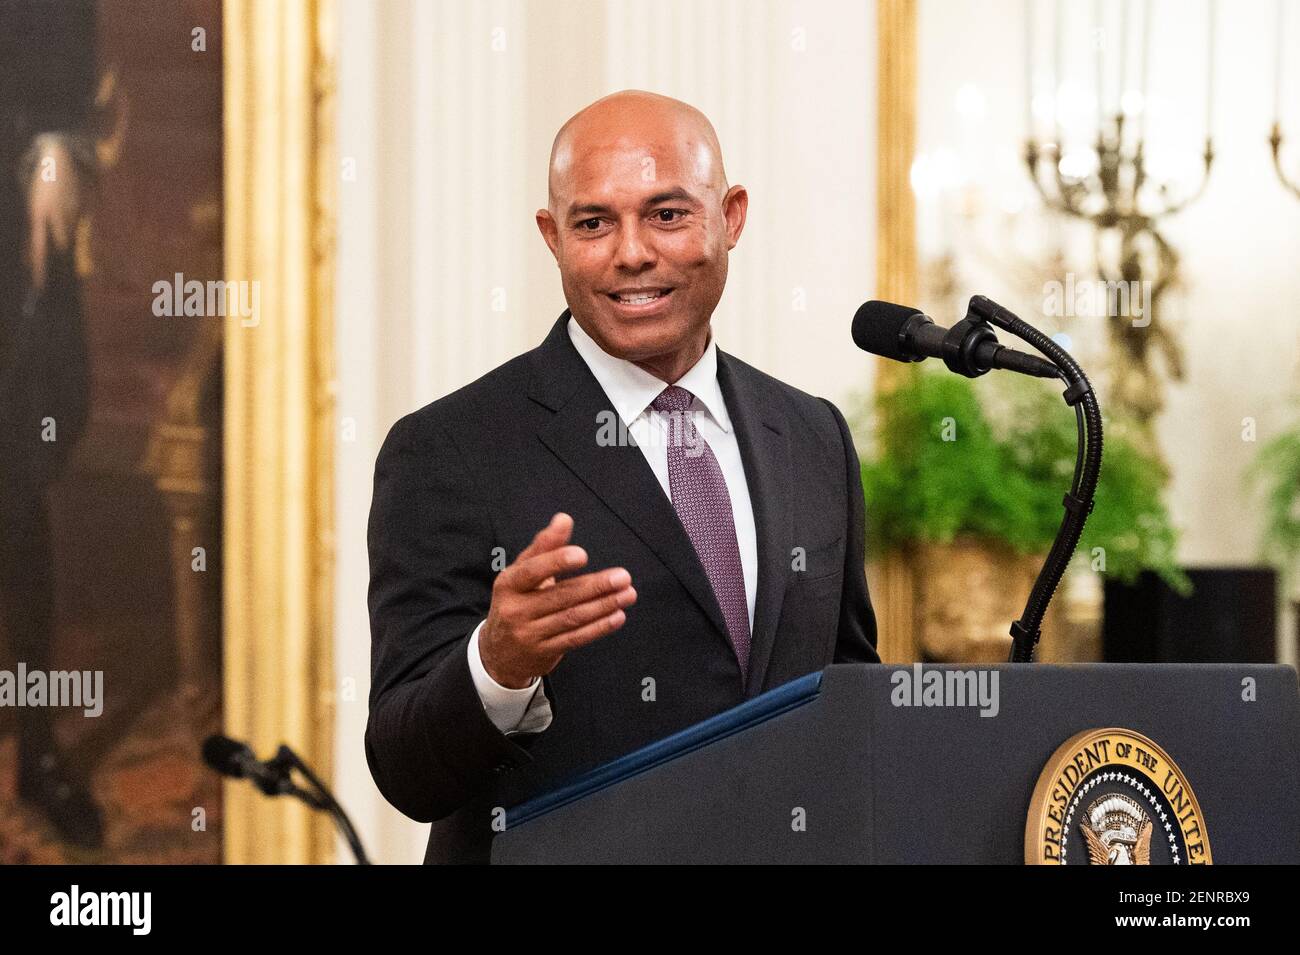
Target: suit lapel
(762, 433)
(619, 475)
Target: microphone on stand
(234, 759)
(970, 348)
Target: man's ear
(550, 231)
(735, 205)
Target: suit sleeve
(429, 743)
(856, 642)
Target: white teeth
(640, 298)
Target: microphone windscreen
(876, 329)
(222, 754)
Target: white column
(790, 88)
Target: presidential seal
(1113, 797)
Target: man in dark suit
(721, 508)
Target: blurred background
(358, 181)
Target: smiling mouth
(639, 296)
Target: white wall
(448, 110)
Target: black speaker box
(1230, 617)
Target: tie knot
(672, 399)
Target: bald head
(640, 220)
(645, 127)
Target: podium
(873, 764)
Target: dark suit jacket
(486, 467)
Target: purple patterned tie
(699, 494)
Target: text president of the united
(619, 533)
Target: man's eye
(589, 225)
(669, 216)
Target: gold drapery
(279, 233)
(891, 576)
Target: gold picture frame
(279, 412)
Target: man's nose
(633, 253)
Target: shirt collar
(632, 388)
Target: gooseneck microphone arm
(1078, 500)
(324, 800)
(970, 348)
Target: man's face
(640, 226)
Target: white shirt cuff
(510, 710)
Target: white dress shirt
(631, 390)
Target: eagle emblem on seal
(1117, 831)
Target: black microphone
(968, 348)
(232, 758)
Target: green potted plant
(1277, 470)
(966, 478)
